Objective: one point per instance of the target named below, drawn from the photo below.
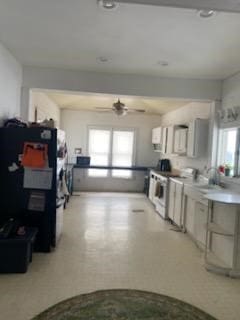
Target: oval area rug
(123, 305)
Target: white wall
(10, 85)
(231, 91)
(231, 98)
(183, 116)
(46, 108)
(75, 124)
(118, 84)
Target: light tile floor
(106, 245)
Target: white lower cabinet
(195, 216)
(200, 217)
(171, 202)
(175, 202)
(189, 215)
(178, 204)
(222, 254)
(224, 227)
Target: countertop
(223, 197)
(169, 174)
(133, 168)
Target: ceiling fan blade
(103, 109)
(137, 110)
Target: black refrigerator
(16, 196)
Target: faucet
(216, 178)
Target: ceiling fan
(120, 109)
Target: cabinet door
(200, 222)
(178, 204)
(171, 202)
(182, 141)
(176, 141)
(164, 140)
(170, 136)
(190, 214)
(156, 135)
(191, 140)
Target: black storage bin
(16, 252)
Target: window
(228, 147)
(122, 152)
(111, 147)
(99, 151)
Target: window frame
(110, 157)
(236, 170)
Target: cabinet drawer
(195, 194)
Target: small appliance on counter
(189, 173)
(164, 165)
(83, 161)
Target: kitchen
(187, 138)
(180, 70)
(199, 204)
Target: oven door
(161, 198)
(162, 210)
(160, 194)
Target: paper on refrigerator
(38, 178)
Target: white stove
(159, 187)
(158, 192)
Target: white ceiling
(97, 101)
(71, 34)
(219, 5)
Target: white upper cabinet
(164, 140)
(157, 135)
(167, 140)
(180, 140)
(191, 141)
(170, 137)
(197, 138)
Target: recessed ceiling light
(107, 4)
(204, 13)
(163, 63)
(102, 59)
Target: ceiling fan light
(204, 13)
(107, 4)
(120, 112)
